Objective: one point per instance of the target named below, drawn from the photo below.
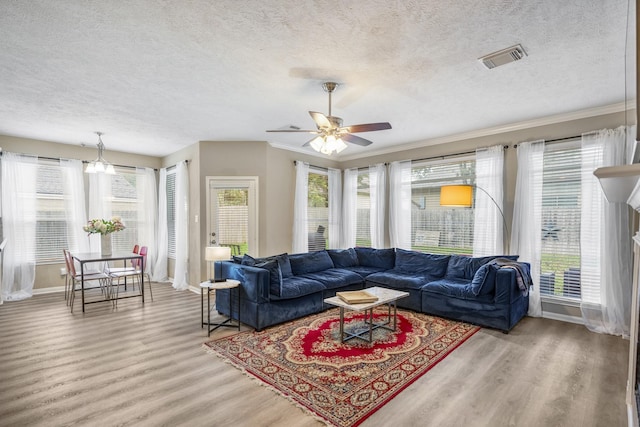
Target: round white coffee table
(230, 284)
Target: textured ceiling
(156, 76)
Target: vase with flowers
(104, 228)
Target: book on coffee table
(356, 297)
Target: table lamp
(216, 253)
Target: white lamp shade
(217, 253)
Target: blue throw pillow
(237, 259)
(248, 260)
(381, 258)
(285, 265)
(275, 276)
(484, 280)
(343, 257)
(418, 262)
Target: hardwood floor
(144, 366)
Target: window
(51, 224)
(437, 229)
(171, 212)
(561, 211)
(363, 210)
(318, 210)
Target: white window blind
(51, 225)
(124, 203)
(318, 210)
(434, 228)
(233, 219)
(171, 212)
(363, 210)
(561, 213)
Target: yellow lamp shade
(456, 196)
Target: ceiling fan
(332, 135)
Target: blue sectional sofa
(285, 287)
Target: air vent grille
(504, 56)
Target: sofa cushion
(336, 278)
(381, 258)
(311, 262)
(484, 280)
(364, 270)
(418, 262)
(455, 288)
(294, 287)
(275, 275)
(398, 280)
(343, 257)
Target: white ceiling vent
(504, 56)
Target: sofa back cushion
(418, 262)
(381, 258)
(311, 262)
(285, 265)
(343, 258)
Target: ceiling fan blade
(355, 140)
(321, 120)
(292, 130)
(367, 127)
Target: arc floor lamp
(461, 196)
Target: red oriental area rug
(343, 383)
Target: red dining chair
(103, 279)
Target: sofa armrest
(253, 281)
(506, 288)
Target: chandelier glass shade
(100, 165)
(327, 144)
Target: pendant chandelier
(100, 165)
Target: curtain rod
(551, 141)
(445, 156)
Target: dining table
(84, 258)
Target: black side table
(211, 286)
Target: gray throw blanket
(523, 277)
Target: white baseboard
(51, 290)
(562, 317)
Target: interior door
(232, 212)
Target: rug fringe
(267, 386)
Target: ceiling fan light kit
(332, 135)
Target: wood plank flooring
(144, 366)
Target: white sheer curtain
(349, 208)
(527, 215)
(147, 213)
(181, 274)
(160, 268)
(74, 204)
(300, 225)
(488, 236)
(400, 204)
(605, 239)
(335, 206)
(377, 191)
(100, 198)
(19, 179)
